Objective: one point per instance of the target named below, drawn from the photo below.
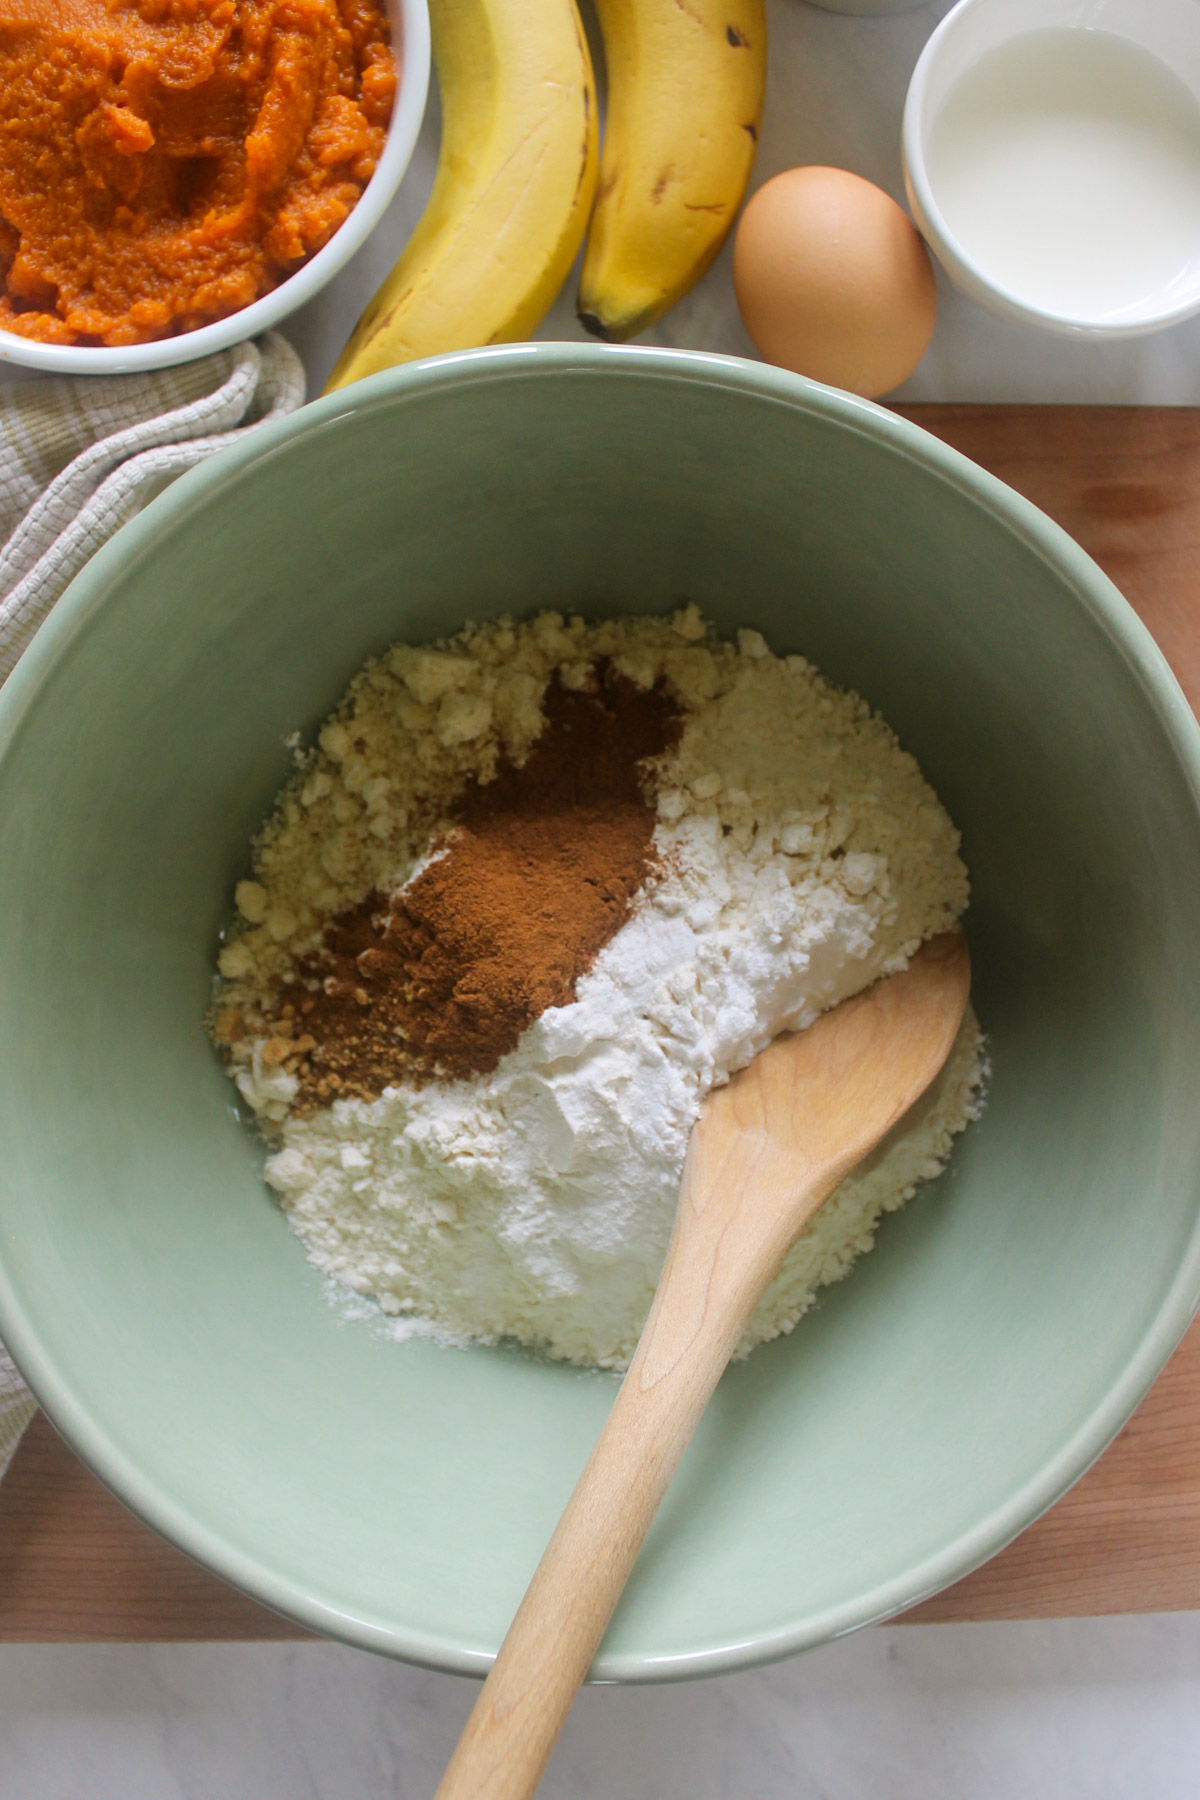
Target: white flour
(805, 856)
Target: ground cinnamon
(510, 909)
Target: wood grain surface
(1125, 482)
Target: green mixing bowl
(398, 1496)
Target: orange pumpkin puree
(165, 162)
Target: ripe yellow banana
(685, 96)
(514, 186)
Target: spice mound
(165, 165)
(506, 912)
(531, 894)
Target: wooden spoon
(768, 1149)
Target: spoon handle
(712, 1280)
(767, 1150)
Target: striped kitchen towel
(77, 458)
(17, 1407)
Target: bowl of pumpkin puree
(177, 175)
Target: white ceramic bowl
(410, 33)
(1169, 29)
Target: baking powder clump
(798, 855)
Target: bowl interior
(399, 1495)
(410, 33)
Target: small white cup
(410, 32)
(1169, 29)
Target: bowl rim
(410, 28)
(83, 603)
(969, 275)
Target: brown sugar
(507, 912)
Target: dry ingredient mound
(507, 911)
(534, 891)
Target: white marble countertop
(1060, 1710)
(835, 94)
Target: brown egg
(833, 280)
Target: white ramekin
(410, 32)
(1170, 29)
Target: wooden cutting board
(1125, 482)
